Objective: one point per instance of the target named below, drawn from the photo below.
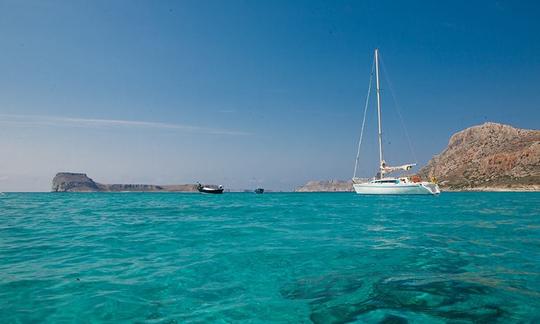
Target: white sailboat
(382, 184)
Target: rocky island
(487, 157)
(80, 182)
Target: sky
(252, 93)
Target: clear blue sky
(248, 93)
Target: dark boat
(208, 189)
(259, 190)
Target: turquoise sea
(277, 257)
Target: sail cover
(388, 169)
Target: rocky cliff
(80, 182)
(488, 157)
(66, 181)
(326, 186)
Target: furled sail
(388, 169)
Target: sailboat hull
(422, 188)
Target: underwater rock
(399, 300)
(322, 289)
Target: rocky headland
(80, 182)
(488, 157)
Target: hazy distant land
(326, 186)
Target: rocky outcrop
(488, 157)
(80, 182)
(66, 181)
(326, 186)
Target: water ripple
(322, 258)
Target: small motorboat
(259, 190)
(210, 189)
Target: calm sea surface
(322, 258)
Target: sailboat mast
(379, 108)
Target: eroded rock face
(67, 181)
(488, 156)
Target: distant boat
(259, 190)
(383, 185)
(210, 190)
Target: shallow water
(322, 258)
